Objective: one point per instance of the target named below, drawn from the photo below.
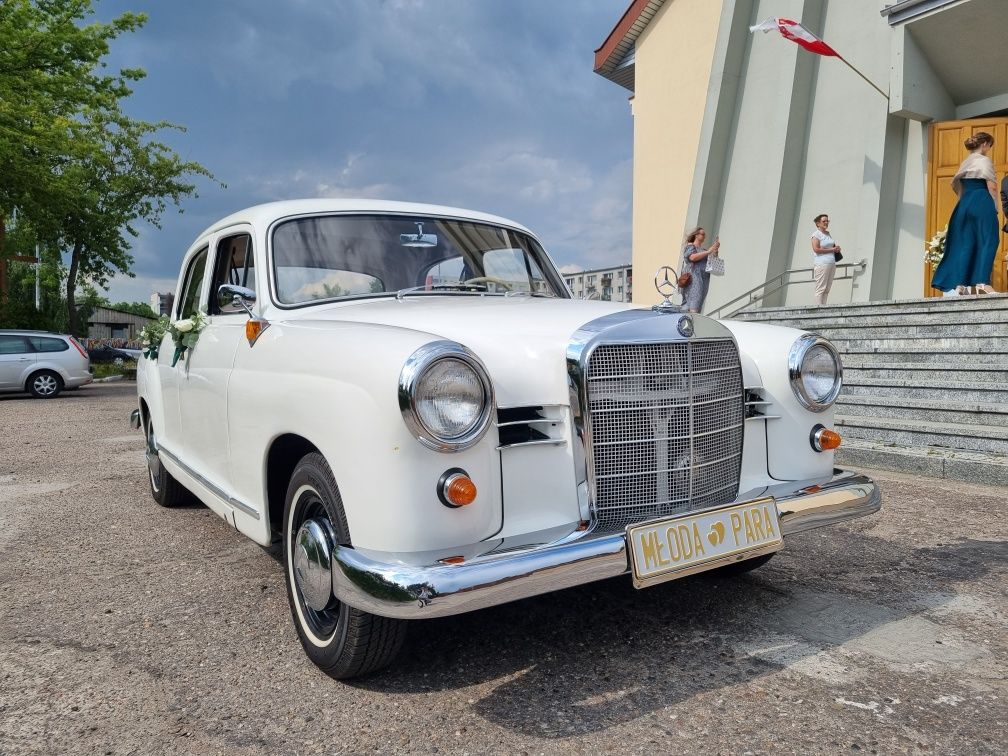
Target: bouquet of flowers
(936, 247)
(185, 333)
(151, 336)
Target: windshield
(336, 256)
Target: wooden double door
(945, 152)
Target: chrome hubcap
(313, 563)
(45, 384)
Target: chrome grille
(665, 425)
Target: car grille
(665, 426)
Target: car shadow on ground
(600, 655)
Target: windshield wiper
(461, 288)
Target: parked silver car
(42, 363)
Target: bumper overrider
(391, 589)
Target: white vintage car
(410, 400)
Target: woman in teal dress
(972, 238)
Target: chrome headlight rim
(414, 370)
(796, 358)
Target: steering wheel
(507, 285)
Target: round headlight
(815, 371)
(445, 396)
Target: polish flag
(796, 33)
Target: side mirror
(236, 296)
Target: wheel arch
(282, 457)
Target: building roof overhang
(614, 59)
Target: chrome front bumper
(418, 592)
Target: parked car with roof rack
(41, 363)
(408, 399)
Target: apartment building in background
(609, 284)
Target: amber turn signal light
(456, 489)
(822, 438)
(254, 329)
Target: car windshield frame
(530, 247)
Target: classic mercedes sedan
(409, 400)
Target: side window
(235, 265)
(13, 345)
(191, 285)
(42, 344)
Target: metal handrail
(780, 281)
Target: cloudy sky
(485, 104)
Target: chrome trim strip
(537, 442)
(389, 587)
(216, 490)
(554, 421)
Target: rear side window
(13, 345)
(192, 284)
(43, 344)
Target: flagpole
(841, 57)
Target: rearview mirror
(236, 296)
(419, 239)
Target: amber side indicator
(452, 560)
(823, 439)
(460, 490)
(254, 329)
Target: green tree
(83, 172)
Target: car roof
(22, 331)
(264, 214)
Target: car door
(16, 359)
(203, 385)
(191, 285)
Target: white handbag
(715, 265)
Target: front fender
(336, 385)
(790, 454)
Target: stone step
(944, 345)
(916, 433)
(932, 331)
(859, 370)
(903, 408)
(898, 306)
(940, 390)
(917, 321)
(933, 461)
(924, 357)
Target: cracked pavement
(126, 628)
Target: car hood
(521, 340)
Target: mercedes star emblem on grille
(685, 326)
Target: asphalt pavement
(127, 628)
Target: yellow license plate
(684, 545)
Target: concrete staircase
(925, 383)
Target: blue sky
(486, 104)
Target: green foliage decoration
(151, 336)
(185, 333)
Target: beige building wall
(673, 68)
(751, 136)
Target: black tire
(342, 641)
(740, 568)
(165, 490)
(45, 384)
